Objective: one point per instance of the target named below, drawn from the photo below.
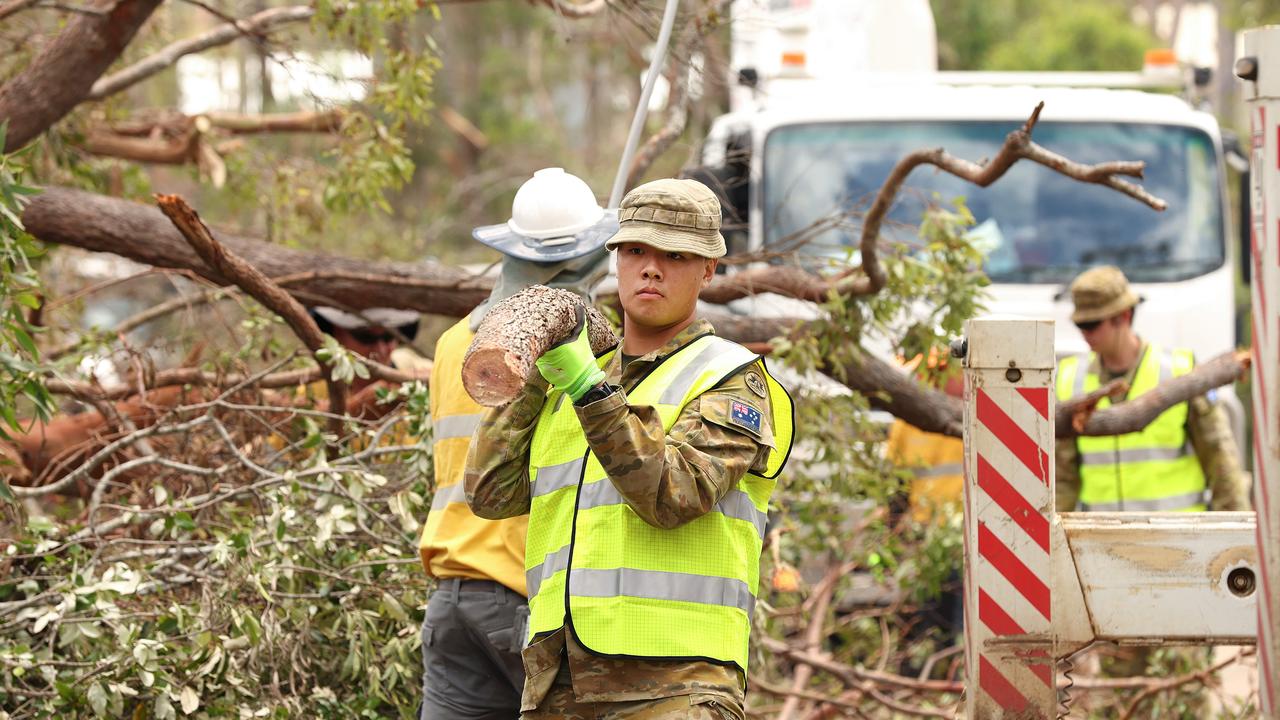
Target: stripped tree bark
(516, 331)
(252, 281)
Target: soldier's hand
(569, 365)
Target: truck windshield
(1033, 225)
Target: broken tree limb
(1080, 409)
(253, 282)
(253, 26)
(61, 75)
(516, 332)
(1133, 415)
(142, 233)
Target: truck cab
(801, 147)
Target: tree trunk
(61, 76)
(142, 233)
(518, 330)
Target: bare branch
(62, 74)
(15, 6)
(252, 281)
(254, 25)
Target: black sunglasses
(368, 336)
(1089, 325)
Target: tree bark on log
(142, 233)
(62, 74)
(516, 332)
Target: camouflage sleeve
(1215, 446)
(671, 478)
(1066, 475)
(497, 475)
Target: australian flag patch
(743, 415)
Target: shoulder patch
(745, 416)
(755, 383)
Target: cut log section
(515, 332)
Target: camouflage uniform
(1210, 435)
(667, 478)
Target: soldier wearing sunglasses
(1185, 460)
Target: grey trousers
(471, 642)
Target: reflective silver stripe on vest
(658, 585)
(940, 470)
(550, 565)
(1166, 366)
(736, 504)
(1173, 502)
(452, 494)
(456, 426)
(1082, 372)
(556, 477)
(684, 380)
(1134, 455)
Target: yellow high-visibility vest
(629, 589)
(455, 542)
(1155, 469)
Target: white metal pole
(1009, 405)
(1260, 68)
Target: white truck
(832, 93)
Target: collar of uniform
(1105, 376)
(640, 366)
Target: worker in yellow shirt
(936, 463)
(477, 618)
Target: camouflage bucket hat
(671, 215)
(1101, 293)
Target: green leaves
(21, 376)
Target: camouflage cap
(1100, 293)
(672, 215)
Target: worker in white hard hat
(379, 334)
(478, 614)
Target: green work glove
(569, 365)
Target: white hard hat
(386, 317)
(554, 217)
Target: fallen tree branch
(253, 282)
(1078, 410)
(62, 74)
(254, 25)
(15, 6)
(142, 233)
(1133, 415)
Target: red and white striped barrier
(1262, 91)
(1008, 510)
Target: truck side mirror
(731, 182)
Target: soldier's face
(657, 288)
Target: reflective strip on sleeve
(659, 585)
(1134, 455)
(1173, 502)
(940, 470)
(456, 426)
(557, 477)
(455, 493)
(551, 564)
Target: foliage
(1090, 35)
(20, 372)
(1028, 35)
(284, 585)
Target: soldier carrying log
(647, 473)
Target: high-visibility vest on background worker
(635, 590)
(454, 542)
(1155, 469)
